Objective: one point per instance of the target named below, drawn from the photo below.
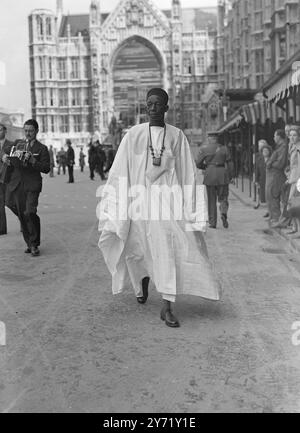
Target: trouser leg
(71, 175)
(223, 193)
(32, 218)
(274, 205)
(169, 298)
(285, 193)
(3, 223)
(17, 204)
(92, 174)
(212, 204)
(101, 171)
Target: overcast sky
(14, 41)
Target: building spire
(95, 16)
(59, 7)
(176, 9)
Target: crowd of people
(277, 172)
(99, 160)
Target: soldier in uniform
(215, 159)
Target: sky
(14, 41)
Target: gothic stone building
(85, 69)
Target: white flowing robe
(171, 251)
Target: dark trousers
(63, 166)
(216, 193)
(285, 193)
(92, 171)
(3, 224)
(71, 173)
(24, 204)
(100, 169)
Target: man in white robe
(152, 214)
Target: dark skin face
(156, 109)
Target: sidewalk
(243, 197)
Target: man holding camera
(29, 160)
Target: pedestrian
(61, 161)
(92, 159)
(293, 178)
(52, 165)
(260, 171)
(215, 159)
(285, 219)
(82, 157)
(101, 159)
(3, 144)
(31, 158)
(275, 176)
(70, 160)
(169, 251)
(109, 160)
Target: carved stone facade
(85, 69)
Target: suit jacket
(217, 160)
(278, 159)
(70, 156)
(30, 175)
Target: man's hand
(31, 158)
(5, 159)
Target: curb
(295, 245)
(236, 195)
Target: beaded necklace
(157, 159)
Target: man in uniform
(25, 184)
(215, 159)
(3, 144)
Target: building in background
(258, 59)
(13, 120)
(88, 69)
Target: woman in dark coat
(261, 158)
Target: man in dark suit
(3, 144)
(215, 159)
(70, 155)
(25, 183)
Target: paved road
(73, 347)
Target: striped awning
(256, 112)
(288, 78)
(261, 111)
(234, 121)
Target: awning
(261, 111)
(282, 83)
(256, 112)
(234, 121)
